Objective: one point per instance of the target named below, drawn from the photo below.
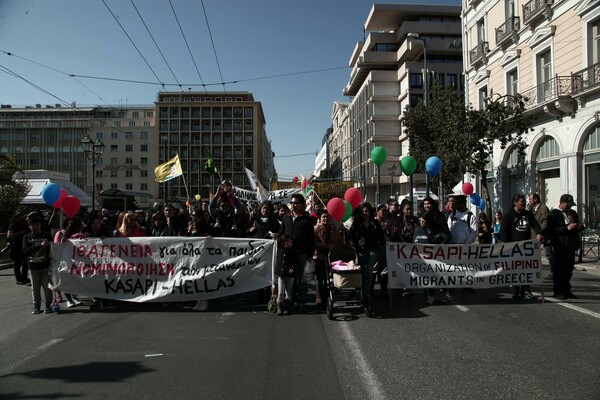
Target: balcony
(508, 32)
(553, 95)
(535, 10)
(479, 53)
(586, 80)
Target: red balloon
(467, 188)
(295, 179)
(336, 208)
(70, 206)
(58, 203)
(353, 196)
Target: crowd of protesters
(305, 237)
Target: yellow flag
(169, 170)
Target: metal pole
(427, 184)
(93, 183)
(377, 196)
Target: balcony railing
(547, 91)
(508, 30)
(479, 52)
(535, 8)
(586, 79)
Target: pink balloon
(58, 203)
(353, 196)
(70, 206)
(336, 208)
(467, 188)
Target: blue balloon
(482, 204)
(433, 165)
(50, 193)
(475, 199)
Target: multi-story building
(549, 52)
(49, 137)
(230, 125)
(408, 49)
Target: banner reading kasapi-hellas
(461, 265)
(162, 268)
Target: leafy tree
(11, 191)
(463, 137)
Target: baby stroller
(344, 281)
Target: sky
(291, 55)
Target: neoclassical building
(549, 52)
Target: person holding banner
(367, 238)
(431, 231)
(517, 225)
(129, 227)
(225, 208)
(298, 227)
(563, 228)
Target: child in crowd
(36, 246)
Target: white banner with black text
(162, 268)
(464, 266)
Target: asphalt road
(484, 345)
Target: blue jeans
(39, 281)
(367, 261)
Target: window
(544, 75)
(132, 124)
(114, 185)
(248, 138)
(146, 124)
(144, 160)
(114, 174)
(512, 82)
(99, 135)
(416, 80)
(594, 43)
(143, 173)
(248, 112)
(481, 31)
(114, 161)
(128, 147)
(117, 123)
(128, 161)
(144, 147)
(128, 173)
(144, 135)
(483, 94)
(174, 112)
(135, 114)
(143, 186)
(174, 125)
(114, 135)
(128, 135)
(129, 186)
(452, 81)
(114, 148)
(99, 173)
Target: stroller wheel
(330, 308)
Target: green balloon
(348, 211)
(378, 155)
(408, 165)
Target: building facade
(406, 51)
(49, 137)
(549, 52)
(229, 125)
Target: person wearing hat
(563, 229)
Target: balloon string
(52, 216)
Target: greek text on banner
(462, 265)
(162, 268)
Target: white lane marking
(153, 355)
(462, 308)
(372, 384)
(571, 306)
(36, 352)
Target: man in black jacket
(516, 226)
(298, 226)
(563, 229)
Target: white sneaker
(71, 304)
(77, 302)
(217, 224)
(201, 305)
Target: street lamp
(392, 171)
(93, 151)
